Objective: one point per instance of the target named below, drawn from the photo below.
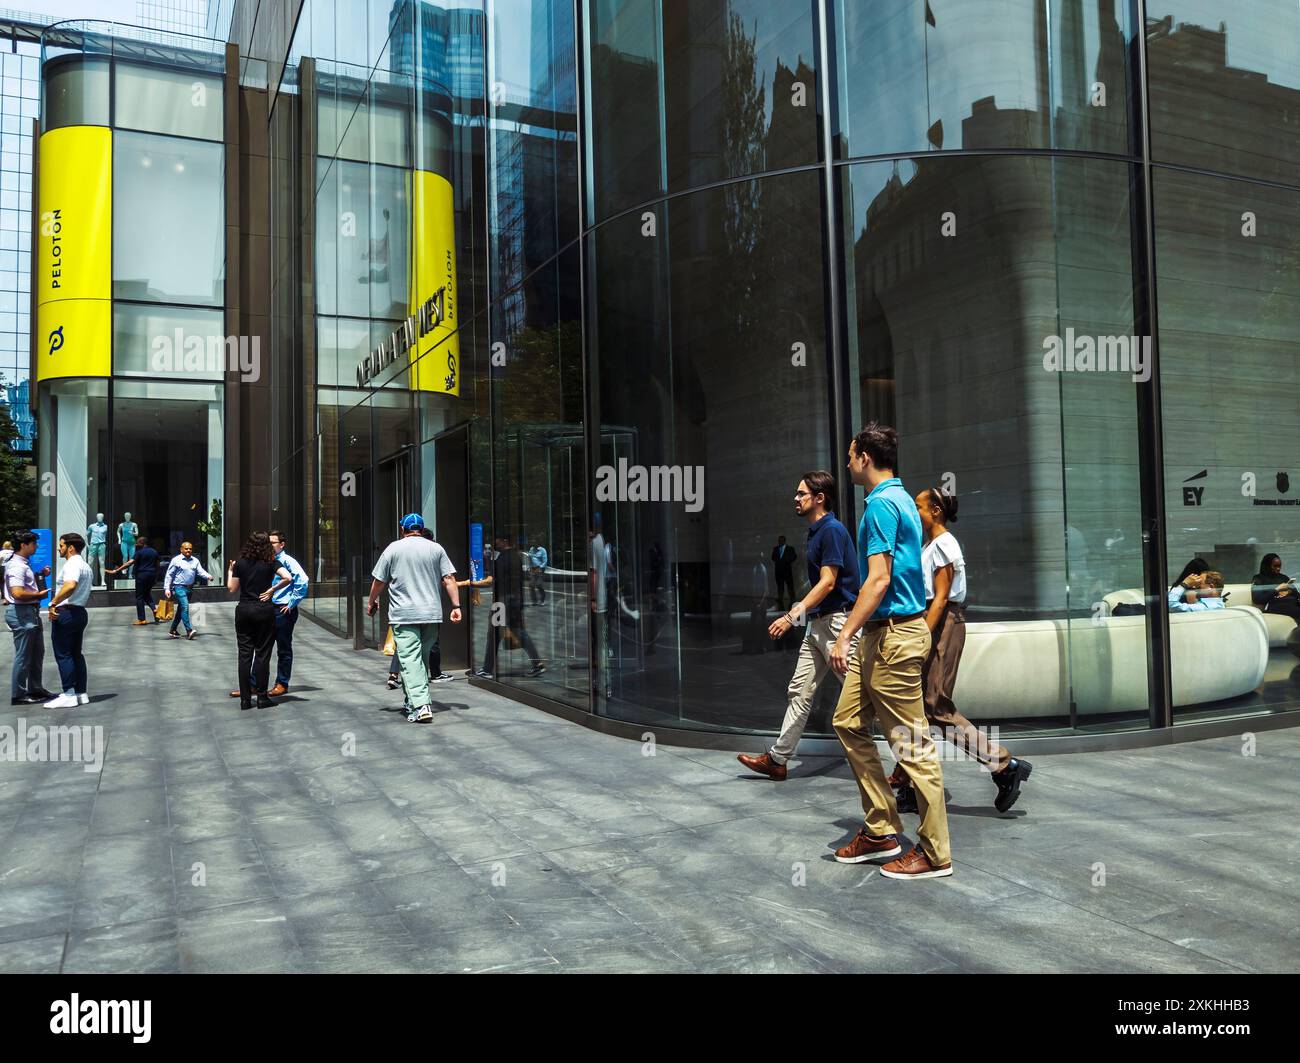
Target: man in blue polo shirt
(833, 588)
(883, 677)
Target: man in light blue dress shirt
(184, 569)
(286, 614)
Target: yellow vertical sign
(435, 357)
(74, 265)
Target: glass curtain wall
(373, 95)
(1225, 94)
(698, 243)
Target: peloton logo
(133, 1017)
(658, 483)
(56, 339)
(1098, 354)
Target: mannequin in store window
(127, 533)
(97, 547)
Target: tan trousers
(814, 660)
(939, 676)
(884, 683)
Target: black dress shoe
(28, 699)
(263, 702)
(245, 706)
(1008, 782)
(905, 798)
(41, 692)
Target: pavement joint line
(1106, 917)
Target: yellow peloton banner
(435, 356)
(74, 268)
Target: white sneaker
(83, 699)
(63, 701)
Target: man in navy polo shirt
(883, 676)
(833, 582)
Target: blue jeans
(65, 635)
(284, 623)
(29, 649)
(182, 596)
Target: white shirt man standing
(68, 622)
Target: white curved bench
(1279, 626)
(1023, 668)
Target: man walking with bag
(184, 569)
(411, 569)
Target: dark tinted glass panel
(961, 271)
(1229, 262)
(921, 75)
(684, 94)
(540, 490)
(707, 364)
(1225, 85)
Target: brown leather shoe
(277, 691)
(866, 847)
(764, 765)
(915, 865)
(139, 623)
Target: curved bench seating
(1279, 626)
(1022, 668)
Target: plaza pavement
(327, 834)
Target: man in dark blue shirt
(146, 575)
(833, 588)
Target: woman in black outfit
(1273, 591)
(251, 577)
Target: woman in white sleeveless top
(944, 569)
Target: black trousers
(144, 596)
(784, 582)
(255, 636)
(1285, 606)
(515, 622)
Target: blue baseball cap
(412, 521)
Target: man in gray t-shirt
(411, 569)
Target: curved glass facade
(1054, 244)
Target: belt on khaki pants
(890, 621)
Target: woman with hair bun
(944, 569)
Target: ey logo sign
(1192, 496)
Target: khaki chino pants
(809, 670)
(884, 683)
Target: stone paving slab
(327, 834)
